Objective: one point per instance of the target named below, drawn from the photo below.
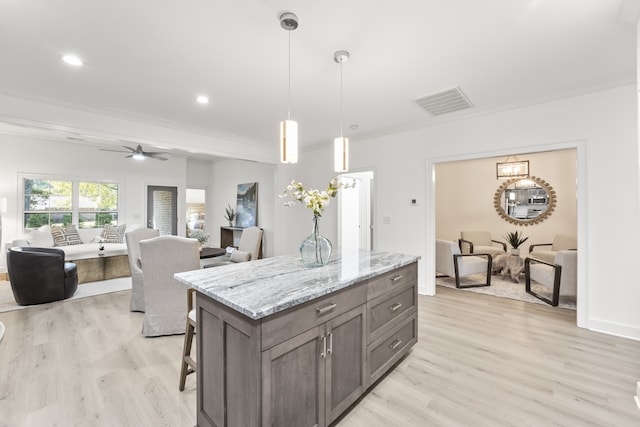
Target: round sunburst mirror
(525, 201)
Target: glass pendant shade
(341, 154)
(289, 141)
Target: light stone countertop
(263, 287)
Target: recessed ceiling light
(354, 127)
(72, 60)
(202, 99)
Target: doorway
(196, 209)
(355, 218)
(162, 209)
(578, 197)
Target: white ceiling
(148, 59)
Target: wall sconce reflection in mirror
(512, 169)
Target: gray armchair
(133, 238)
(450, 262)
(560, 277)
(165, 299)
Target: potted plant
(515, 239)
(230, 215)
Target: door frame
(580, 146)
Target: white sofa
(42, 238)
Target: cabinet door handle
(330, 349)
(395, 344)
(327, 308)
(395, 306)
(396, 278)
(324, 347)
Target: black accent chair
(40, 275)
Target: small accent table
(509, 264)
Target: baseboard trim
(613, 328)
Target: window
(47, 202)
(65, 202)
(98, 204)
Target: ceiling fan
(140, 154)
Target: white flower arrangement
(313, 199)
(199, 235)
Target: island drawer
(282, 326)
(388, 349)
(384, 310)
(392, 280)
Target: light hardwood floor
(480, 361)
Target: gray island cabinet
(279, 344)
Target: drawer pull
(396, 278)
(327, 308)
(395, 344)
(395, 306)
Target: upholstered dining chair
(39, 275)
(164, 297)
(249, 248)
(452, 263)
(480, 242)
(133, 238)
(559, 277)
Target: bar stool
(188, 362)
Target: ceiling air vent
(444, 102)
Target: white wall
(603, 124)
(27, 155)
(465, 197)
(225, 175)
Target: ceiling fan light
(72, 60)
(341, 154)
(138, 156)
(289, 141)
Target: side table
(510, 264)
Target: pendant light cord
(289, 112)
(341, 136)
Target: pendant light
(341, 144)
(289, 128)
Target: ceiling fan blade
(155, 153)
(115, 151)
(155, 156)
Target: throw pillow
(65, 236)
(240, 256)
(113, 233)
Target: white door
(355, 230)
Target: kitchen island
(279, 344)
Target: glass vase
(315, 250)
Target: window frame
(75, 195)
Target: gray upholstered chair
(450, 262)
(249, 249)
(480, 242)
(548, 251)
(133, 238)
(165, 300)
(560, 277)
